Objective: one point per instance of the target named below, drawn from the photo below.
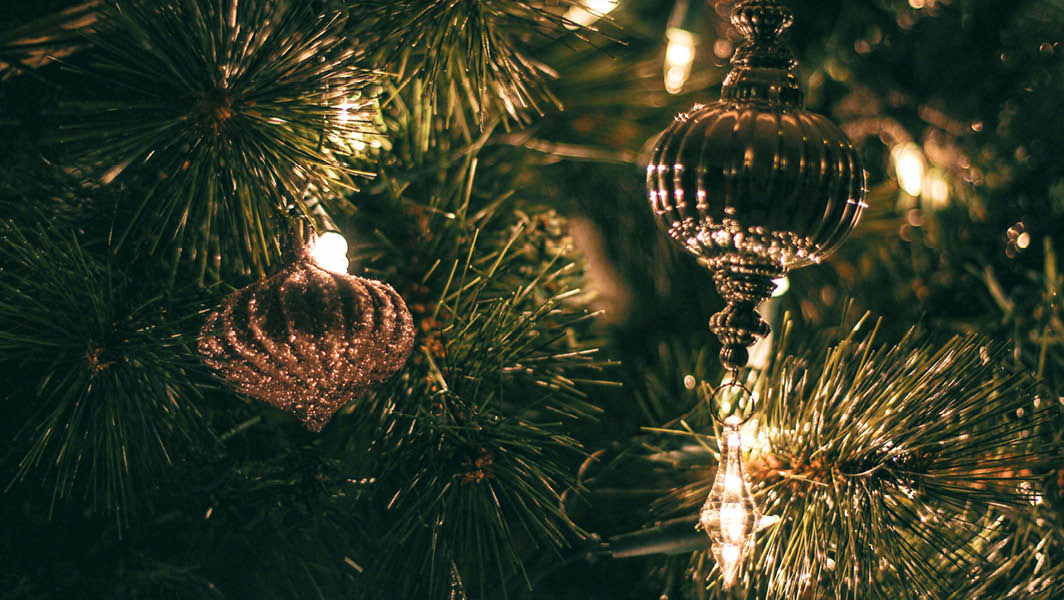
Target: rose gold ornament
(308, 340)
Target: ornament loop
(734, 409)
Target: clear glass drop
(730, 516)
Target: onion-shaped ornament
(753, 184)
(308, 340)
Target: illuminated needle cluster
(730, 516)
(586, 13)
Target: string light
(344, 117)
(680, 42)
(679, 54)
(591, 11)
(329, 251)
(935, 191)
(730, 516)
(782, 285)
(909, 165)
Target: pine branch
(492, 405)
(34, 44)
(476, 450)
(221, 116)
(1033, 316)
(884, 462)
(103, 383)
(1018, 565)
(472, 54)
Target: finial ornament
(754, 184)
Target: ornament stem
(743, 283)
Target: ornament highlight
(309, 339)
(753, 184)
(730, 516)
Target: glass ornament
(730, 515)
(753, 184)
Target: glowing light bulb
(1023, 240)
(936, 191)
(591, 11)
(343, 107)
(730, 552)
(730, 516)
(909, 165)
(679, 54)
(329, 251)
(782, 285)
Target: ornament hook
(733, 415)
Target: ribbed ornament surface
(767, 181)
(308, 341)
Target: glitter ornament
(753, 184)
(308, 340)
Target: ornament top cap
(763, 69)
(762, 20)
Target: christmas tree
(365, 299)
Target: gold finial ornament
(754, 184)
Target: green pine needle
(473, 436)
(483, 456)
(480, 60)
(887, 464)
(222, 114)
(102, 381)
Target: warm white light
(591, 11)
(730, 553)
(679, 54)
(1023, 240)
(936, 191)
(909, 165)
(346, 120)
(782, 285)
(733, 522)
(329, 251)
(343, 107)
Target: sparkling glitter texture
(308, 340)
